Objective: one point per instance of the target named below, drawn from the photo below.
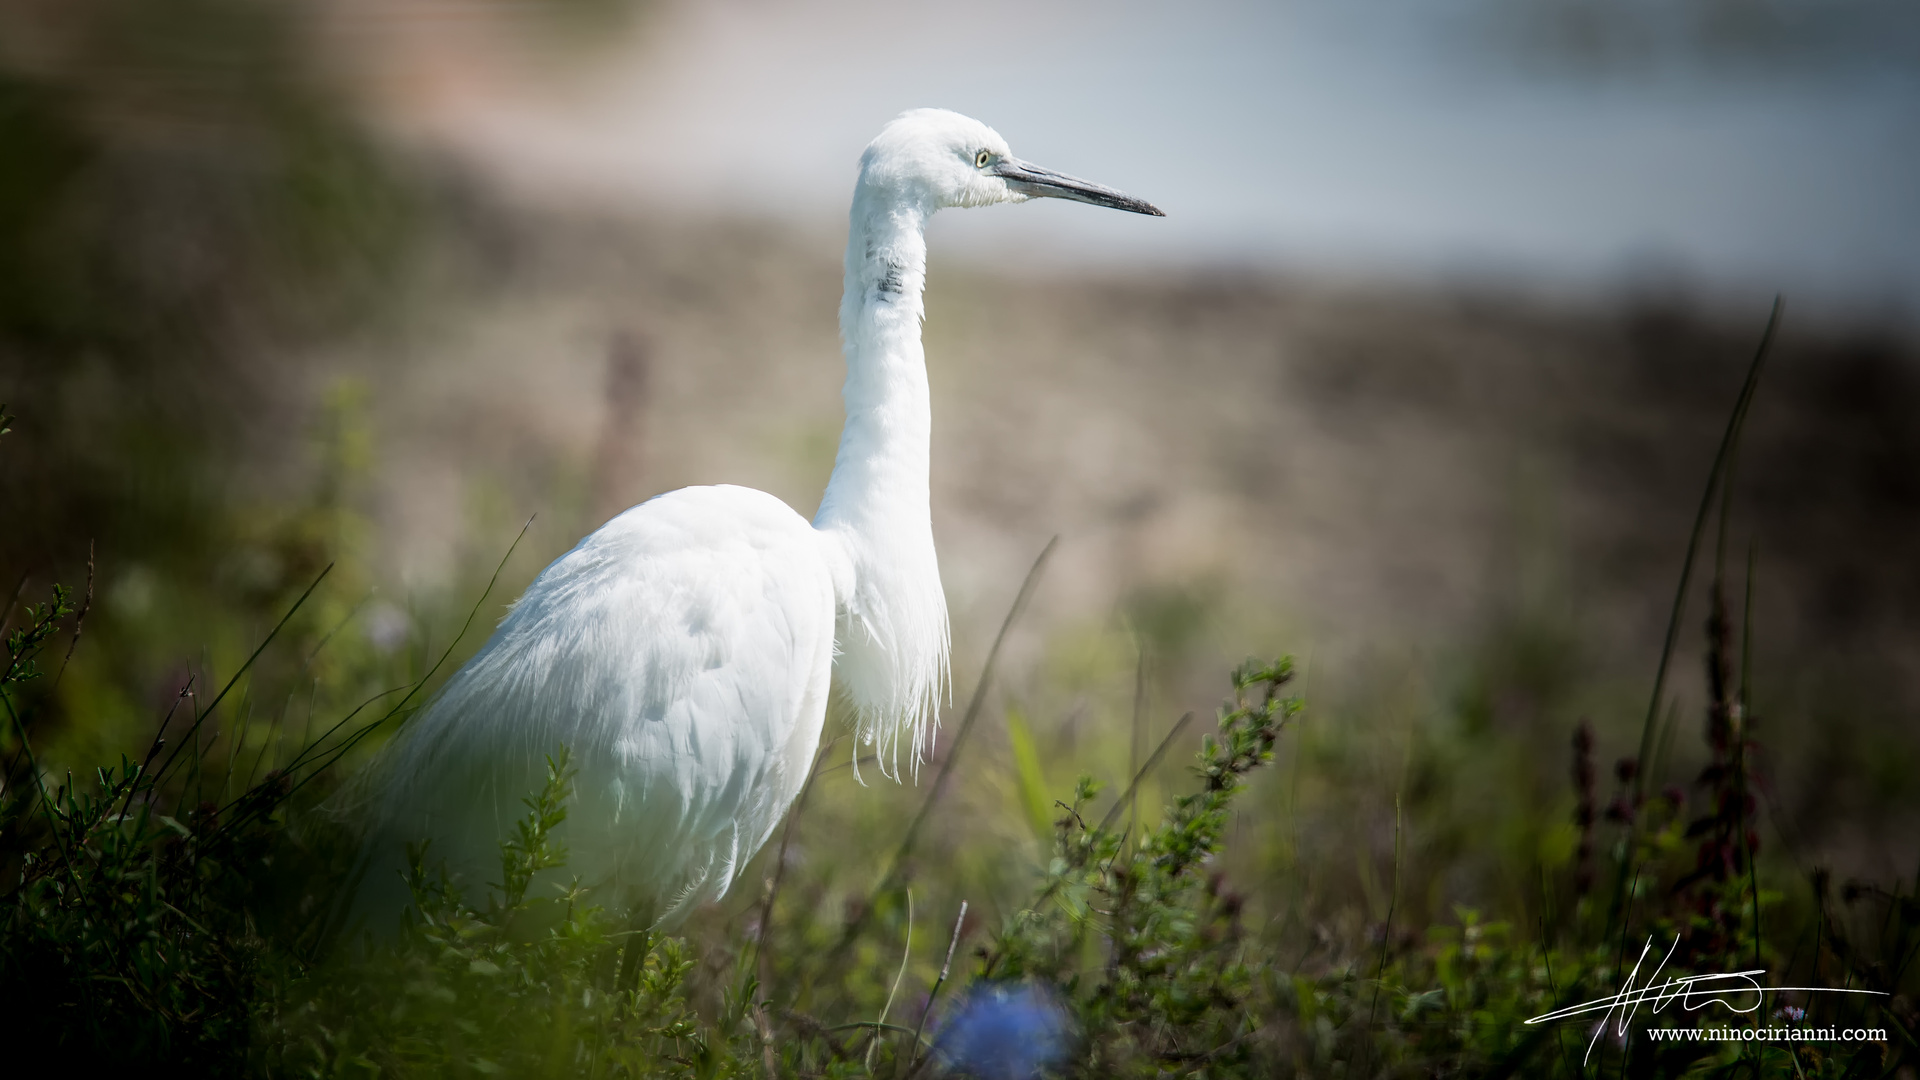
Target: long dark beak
(1032, 180)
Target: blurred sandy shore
(1357, 465)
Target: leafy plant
(1144, 941)
(133, 923)
(521, 985)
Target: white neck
(892, 631)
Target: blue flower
(1005, 1031)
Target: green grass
(142, 926)
(1392, 883)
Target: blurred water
(1563, 144)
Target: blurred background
(1419, 380)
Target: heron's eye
(980, 159)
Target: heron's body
(684, 651)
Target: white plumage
(684, 651)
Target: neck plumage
(892, 631)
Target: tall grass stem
(906, 953)
(946, 967)
(1729, 441)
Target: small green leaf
(1031, 778)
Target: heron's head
(939, 158)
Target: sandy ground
(1332, 471)
(1368, 463)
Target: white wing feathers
(683, 652)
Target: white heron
(684, 651)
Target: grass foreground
(179, 909)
